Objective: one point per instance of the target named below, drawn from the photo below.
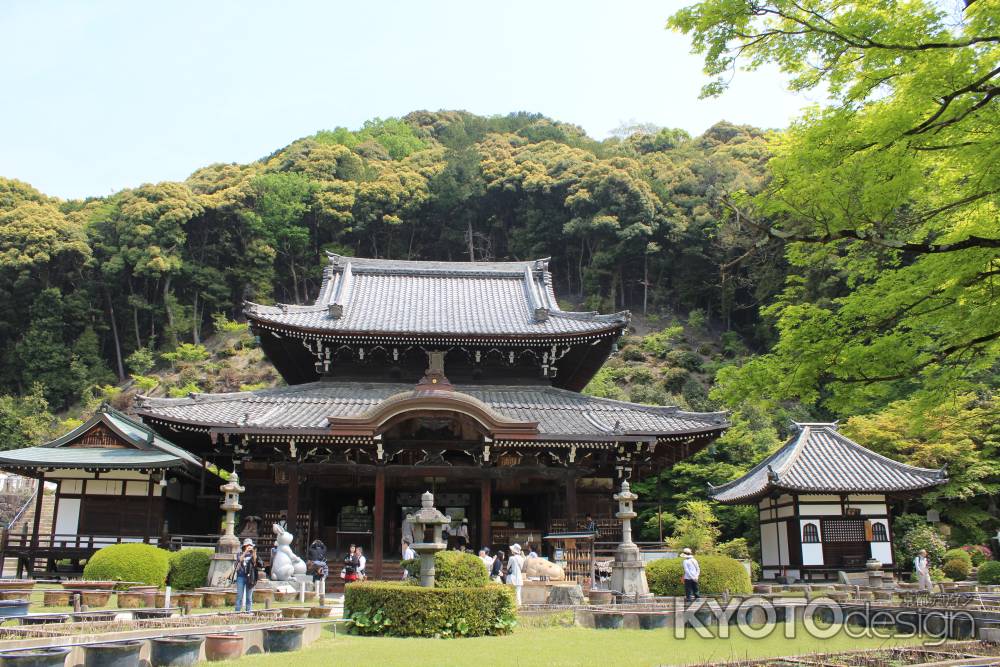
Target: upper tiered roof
(443, 299)
(820, 459)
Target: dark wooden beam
(485, 512)
(379, 537)
(293, 501)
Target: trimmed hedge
(718, 575)
(405, 610)
(960, 554)
(142, 563)
(189, 568)
(989, 572)
(453, 569)
(957, 569)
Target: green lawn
(553, 647)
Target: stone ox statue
(284, 563)
(539, 567)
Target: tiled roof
(150, 450)
(561, 414)
(366, 296)
(820, 459)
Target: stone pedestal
(428, 517)
(228, 545)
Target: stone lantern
(628, 572)
(428, 516)
(228, 544)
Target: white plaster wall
(71, 486)
(806, 509)
(783, 540)
(868, 509)
(882, 551)
(768, 544)
(104, 487)
(786, 511)
(821, 498)
(812, 552)
(136, 488)
(866, 497)
(68, 516)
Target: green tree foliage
(24, 420)
(697, 529)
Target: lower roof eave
(754, 498)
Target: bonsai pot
(41, 619)
(85, 616)
(608, 620)
(600, 597)
(230, 598)
(36, 657)
(295, 612)
(13, 595)
(16, 584)
(227, 646)
(85, 585)
(13, 607)
(189, 600)
(95, 598)
(285, 596)
(175, 651)
(57, 598)
(118, 654)
(144, 614)
(132, 599)
(283, 638)
(320, 612)
(262, 595)
(653, 621)
(212, 597)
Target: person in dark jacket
(351, 565)
(317, 560)
(245, 575)
(497, 572)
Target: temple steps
(25, 524)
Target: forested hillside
(733, 310)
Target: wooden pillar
(147, 531)
(571, 503)
(378, 539)
(293, 503)
(485, 513)
(39, 495)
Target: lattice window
(844, 530)
(879, 533)
(810, 534)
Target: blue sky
(100, 96)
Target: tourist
(496, 570)
(317, 561)
(350, 571)
(245, 575)
(408, 554)
(446, 534)
(531, 550)
(283, 520)
(484, 555)
(362, 563)
(407, 534)
(692, 571)
(589, 525)
(462, 535)
(922, 568)
(515, 567)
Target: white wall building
(824, 503)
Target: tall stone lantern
(228, 544)
(428, 516)
(628, 572)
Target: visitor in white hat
(692, 571)
(515, 565)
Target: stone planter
(223, 646)
(604, 620)
(43, 619)
(262, 595)
(283, 639)
(133, 600)
(57, 598)
(141, 614)
(601, 597)
(16, 584)
(763, 589)
(230, 598)
(213, 597)
(175, 651)
(119, 654)
(39, 657)
(653, 621)
(320, 612)
(189, 600)
(295, 612)
(88, 616)
(96, 598)
(287, 596)
(10, 608)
